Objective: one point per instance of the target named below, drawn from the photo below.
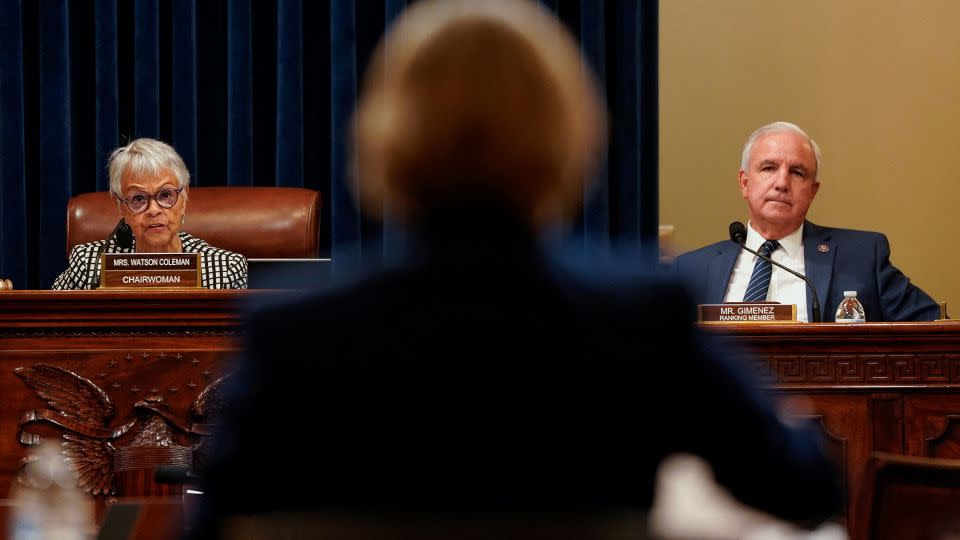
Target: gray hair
(776, 127)
(148, 156)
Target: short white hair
(777, 127)
(145, 156)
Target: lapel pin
(823, 248)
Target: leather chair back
(912, 497)
(259, 222)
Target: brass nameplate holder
(142, 270)
(943, 314)
(746, 312)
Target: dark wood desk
(891, 387)
(151, 352)
(870, 387)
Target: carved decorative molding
(836, 446)
(858, 369)
(950, 424)
(114, 332)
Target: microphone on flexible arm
(172, 474)
(738, 233)
(123, 236)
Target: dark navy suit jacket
(835, 260)
(482, 374)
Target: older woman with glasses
(150, 183)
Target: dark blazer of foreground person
(453, 382)
(481, 374)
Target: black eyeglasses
(138, 202)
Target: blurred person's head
(469, 102)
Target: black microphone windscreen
(738, 232)
(171, 474)
(124, 236)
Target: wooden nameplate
(746, 312)
(150, 270)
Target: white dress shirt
(785, 287)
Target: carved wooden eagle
(85, 411)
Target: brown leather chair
(912, 498)
(259, 222)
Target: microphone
(172, 474)
(738, 234)
(123, 235)
(118, 230)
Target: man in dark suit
(778, 178)
(481, 373)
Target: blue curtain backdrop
(258, 92)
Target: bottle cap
(850, 294)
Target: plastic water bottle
(850, 309)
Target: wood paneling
(887, 387)
(152, 353)
(892, 387)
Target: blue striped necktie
(760, 279)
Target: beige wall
(875, 82)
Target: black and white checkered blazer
(220, 269)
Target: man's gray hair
(776, 127)
(145, 156)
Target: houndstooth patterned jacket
(220, 269)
